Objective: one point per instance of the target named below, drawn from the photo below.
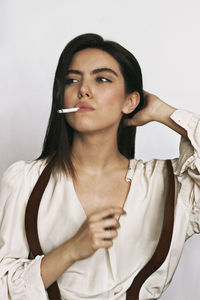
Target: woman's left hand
(152, 111)
(155, 110)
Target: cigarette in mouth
(67, 110)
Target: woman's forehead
(91, 59)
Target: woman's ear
(131, 102)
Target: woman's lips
(84, 109)
(84, 106)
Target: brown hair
(59, 134)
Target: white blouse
(108, 273)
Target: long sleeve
(187, 166)
(20, 277)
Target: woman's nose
(85, 90)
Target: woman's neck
(96, 153)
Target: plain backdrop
(163, 35)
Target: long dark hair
(59, 134)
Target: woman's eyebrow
(74, 72)
(96, 71)
(104, 70)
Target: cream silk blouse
(107, 274)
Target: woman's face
(94, 82)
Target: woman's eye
(102, 79)
(70, 81)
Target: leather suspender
(163, 246)
(154, 263)
(31, 223)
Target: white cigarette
(67, 110)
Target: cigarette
(67, 110)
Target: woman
(101, 214)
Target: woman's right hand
(98, 231)
(90, 237)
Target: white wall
(163, 35)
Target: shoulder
(149, 166)
(149, 169)
(20, 171)
(17, 183)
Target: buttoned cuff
(189, 147)
(34, 281)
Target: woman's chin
(87, 130)
(88, 126)
(83, 125)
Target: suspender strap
(31, 216)
(154, 263)
(163, 246)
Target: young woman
(101, 214)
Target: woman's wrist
(162, 115)
(55, 263)
(156, 110)
(161, 111)
(69, 252)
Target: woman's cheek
(68, 101)
(113, 100)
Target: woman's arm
(155, 110)
(90, 237)
(23, 278)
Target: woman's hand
(152, 111)
(155, 110)
(98, 231)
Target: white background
(163, 35)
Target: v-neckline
(128, 177)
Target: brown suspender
(154, 263)
(31, 223)
(164, 242)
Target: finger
(110, 224)
(106, 213)
(105, 224)
(102, 243)
(106, 235)
(106, 244)
(109, 235)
